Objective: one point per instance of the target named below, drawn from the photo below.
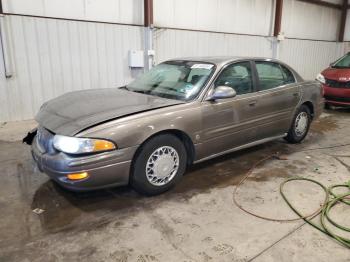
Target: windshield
(180, 80)
(343, 62)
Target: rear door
(277, 97)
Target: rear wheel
(300, 126)
(158, 165)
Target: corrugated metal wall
(304, 20)
(235, 16)
(51, 57)
(347, 27)
(171, 43)
(300, 19)
(307, 57)
(115, 11)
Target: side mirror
(222, 92)
(331, 64)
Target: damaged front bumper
(30, 137)
(104, 170)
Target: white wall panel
(235, 16)
(347, 28)
(115, 11)
(171, 43)
(309, 21)
(51, 57)
(309, 57)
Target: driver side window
(237, 76)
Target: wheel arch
(310, 106)
(185, 139)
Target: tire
(164, 149)
(294, 134)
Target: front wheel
(300, 126)
(158, 165)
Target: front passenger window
(237, 76)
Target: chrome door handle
(252, 103)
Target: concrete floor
(197, 221)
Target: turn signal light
(103, 145)
(78, 176)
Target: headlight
(321, 78)
(76, 145)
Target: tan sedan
(181, 112)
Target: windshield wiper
(136, 91)
(340, 67)
(124, 88)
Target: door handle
(252, 103)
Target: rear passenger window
(288, 75)
(270, 75)
(237, 76)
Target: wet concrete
(196, 221)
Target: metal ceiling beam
(278, 17)
(323, 3)
(343, 17)
(148, 10)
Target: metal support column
(148, 34)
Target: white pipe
(148, 48)
(5, 48)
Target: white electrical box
(151, 52)
(136, 58)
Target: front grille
(337, 84)
(44, 140)
(338, 99)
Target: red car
(336, 82)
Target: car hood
(339, 74)
(73, 112)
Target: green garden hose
(331, 199)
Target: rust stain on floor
(324, 125)
(271, 173)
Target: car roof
(220, 60)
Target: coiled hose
(331, 199)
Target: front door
(229, 123)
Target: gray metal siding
(115, 11)
(305, 56)
(347, 27)
(309, 57)
(170, 43)
(309, 21)
(232, 16)
(51, 57)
